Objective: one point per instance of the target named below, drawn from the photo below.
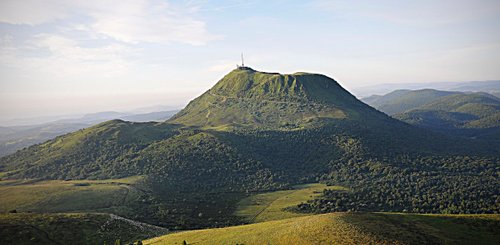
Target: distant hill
(403, 100)
(473, 115)
(351, 228)
(470, 86)
(470, 115)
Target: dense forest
(416, 184)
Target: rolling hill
(351, 228)
(471, 115)
(474, 115)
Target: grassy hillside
(351, 228)
(245, 97)
(66, 196)
(16, 138)
(75, 228)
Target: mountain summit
(254, 98)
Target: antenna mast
(242, 61)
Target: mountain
(246, 97)
(255, 131)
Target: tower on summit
(242, 66)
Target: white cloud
(61, 57)
(32, 12)
(136, 21)
(413, 13)
(130, 21)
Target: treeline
(432, 184)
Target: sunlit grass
(269, 206)
(64, 196)
(352, 228)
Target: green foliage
(459, 184)
(84, 154)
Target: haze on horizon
(73, 57)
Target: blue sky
(70, 57)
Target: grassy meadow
(66, 196)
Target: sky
(61, 57)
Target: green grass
(351, 228)
(66, 196)
(269, 206)
(429, 228)
(75, 228)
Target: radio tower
(242, 61)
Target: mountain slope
(85, 153)
(246, 97)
